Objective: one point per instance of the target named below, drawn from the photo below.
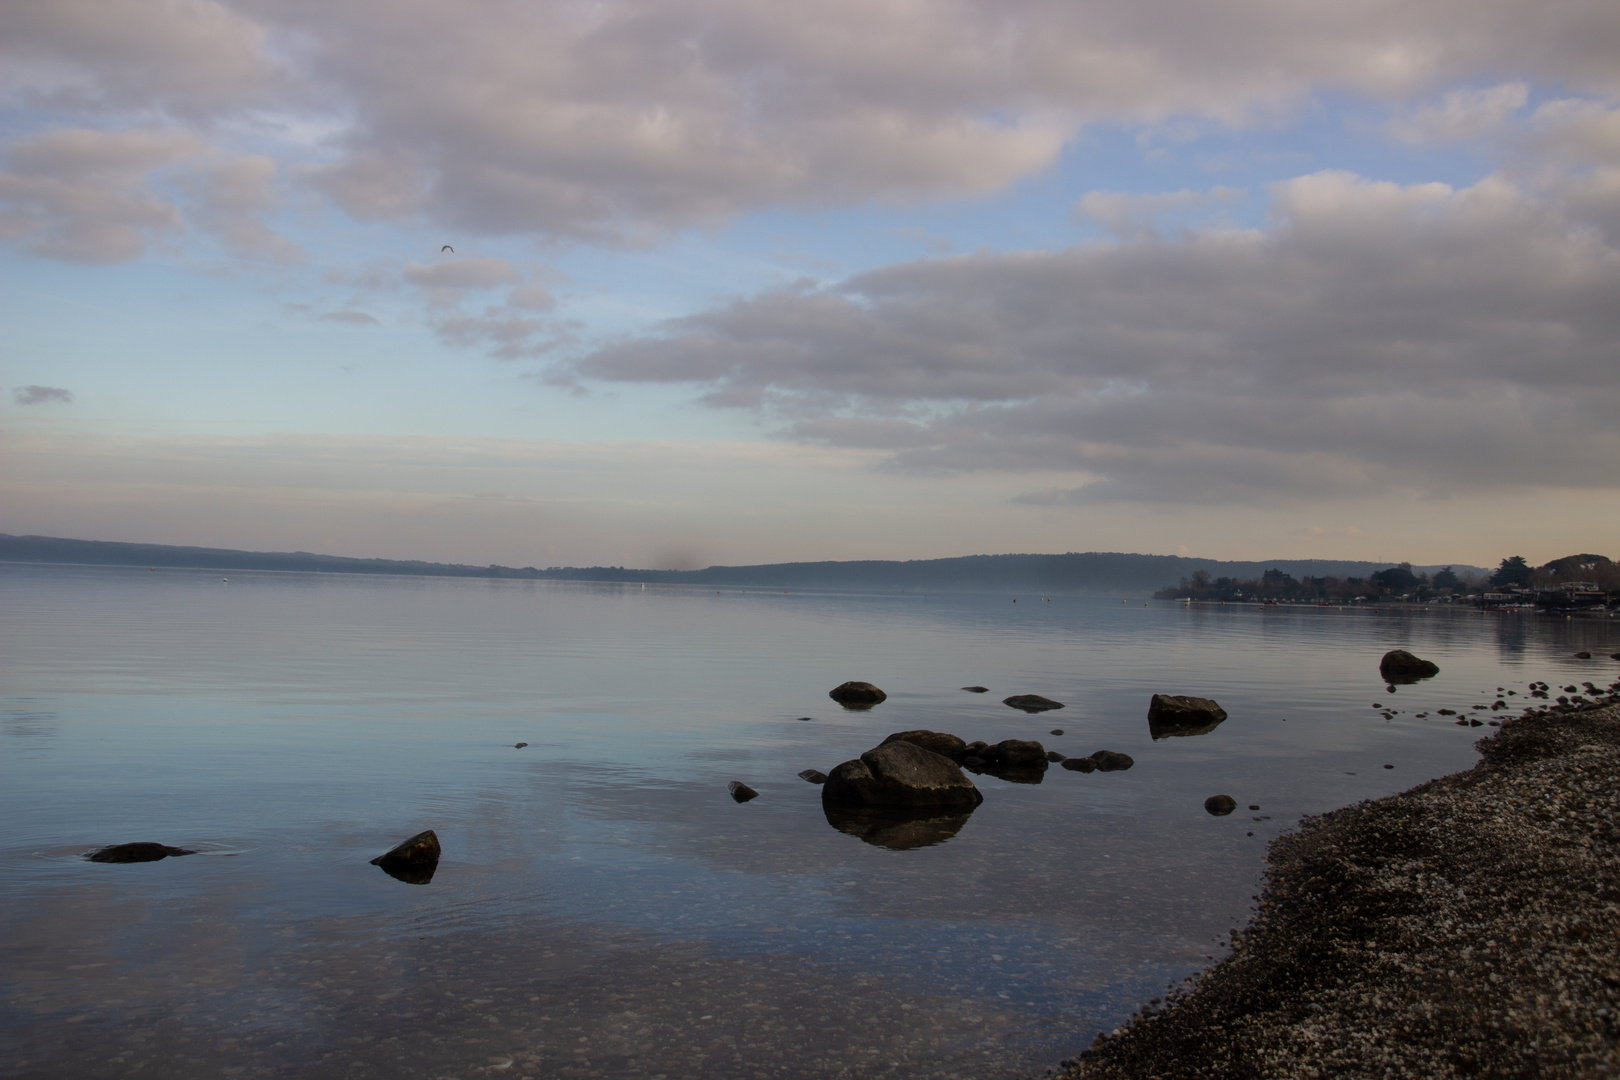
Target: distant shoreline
(1111, 573)
(1467, 926)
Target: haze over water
(603, 907)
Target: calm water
(603, 907)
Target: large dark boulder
(939, 742)
(1178, 714)
(412, 861)
(1400, 666)
(1220, 805)
(857, 695)
(133, 853)
(900, 774)
(897, 829)
(1032, 703)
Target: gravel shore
(1467, 927)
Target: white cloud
(1372, 335)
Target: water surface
(603, 906)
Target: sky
(670, 283)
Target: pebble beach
(1468, 927)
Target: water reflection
(1012, 774)
(409, 873)
(1164, 728)
(896, 829)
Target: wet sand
(1467, 927)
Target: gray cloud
(85, 196)
(622, 120)
(351, 318)
(41, 395)
(1371, 336)
(104, 197)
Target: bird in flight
(446, 248)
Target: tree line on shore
(1402, 583)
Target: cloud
(620, 121)
(186, 58)
(41, 395)
(1460, 116)
(351, 318)
(230, 195)
(103, 197)
(1371, 336)
(85, 196)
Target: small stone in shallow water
(1057, 731)
(1220, 805)
(741, 791)
(134, 853)
(1389, 766)
(857, 695)
(1032, 703)
(519, 746)
(1254, 807)
(815, 776)
(977, 689)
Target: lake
(603, 907)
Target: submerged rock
(1032, 703)
(1179, 715)
(901, 774)
(857, 695)
(133, 853)
(1079, 764)
(1220, 805)
(939, 742)
(1109, 761)
(897, 829)
(815, 776)
(741, 791)
(1400, 666)
(1054, 757)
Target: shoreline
(1469, 926)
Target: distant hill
(1092, 571)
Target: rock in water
(132, 853)
(1109, 761)
(857, 695)
(519, 746)
(412, 861)
(1019, 753)
(1220, 805)
(977, 689)
(939, 742)
(1079, 764)
(1032, 703)
(1178, 714)
(741, 791)
(900, 774)
(1400, 666)
(815, 776)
